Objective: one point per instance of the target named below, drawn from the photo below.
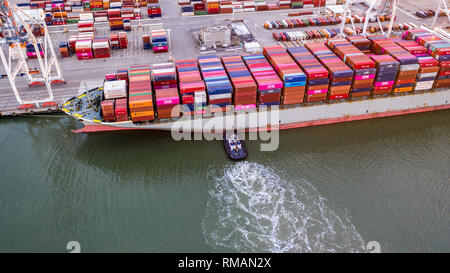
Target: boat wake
(251, 209)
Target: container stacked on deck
(192, 88)
(340, 74)
(101, 48)
(429, 66)
(245, 89)
(387, 68)
(108, 113)
(409, 66)
(164, 78)
(362, 66)
(360, 42)
(140, 97)
(437, 48)
(154, 10)
(317, 74)
(218, 86)
(294, 80)
(121, 110)
(159, 41)
(115, 89)
(267, 80)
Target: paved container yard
(78, 74)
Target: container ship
(342, 79)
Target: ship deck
(78, 74)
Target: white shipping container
(115, 89)
(86, 17)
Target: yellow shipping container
(403, 89)
(142, 114)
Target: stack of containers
(267, 80)
(284, 4)
(294, 80)
(439, 49)
(192, 88)
(387, 68)
(115, 89)
(146, 41)
(116, 4)
(126, 24)
(360, 42)
(123, 40)
(212, 6)
(154, 10)
(140, 98)
(200, 8)
(137, 14)
(64, 49)
(121, 110)
(115, 19)
(362, 66)
(107, 107)
(159, 41)
(101, 16)
(409, 65)
(86, 26)
(429, 66)
(296, 4)
(245, 89)
(101, 48)
(96, 4)
(83, 48)
(114, 40)
(317, 75)
(226, 6)
(339, 73)
(237, 7)
(248, 6)
(261, 5)
(122, 74)
(166, 92)
(31, 51)
(218, 86)
(187, 10)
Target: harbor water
(330, 188)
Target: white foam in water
(251, 209)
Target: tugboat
(234, 147)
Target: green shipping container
(201, 12)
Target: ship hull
(302, 116)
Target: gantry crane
(375, 7)
(16, 31)
(442, 3)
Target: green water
(327, 188)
